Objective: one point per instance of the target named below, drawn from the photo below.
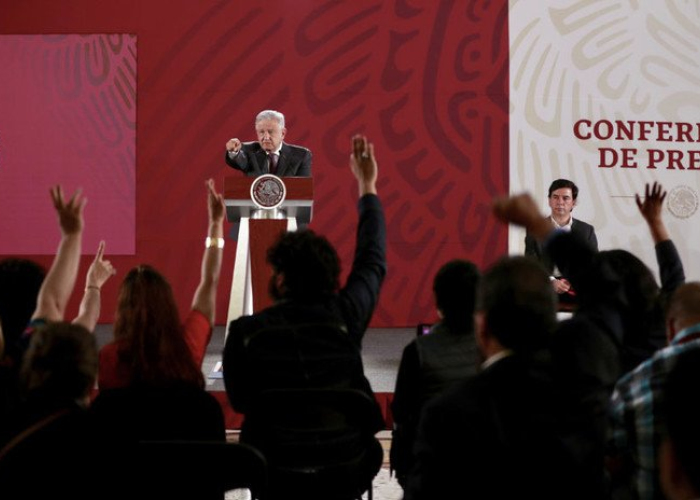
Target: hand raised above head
(654, 197)
(215, 202)
(70, 214)
(100, 270)
(519, 209)
(363, 164)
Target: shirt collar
(565, 227)
(496, 357)
(685, 333)
(276, 151)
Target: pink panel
(67, 115)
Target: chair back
(133, 414)
(200, 469)
(318, 443)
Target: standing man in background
(269, 154)
(562, 200)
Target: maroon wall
(426, 81)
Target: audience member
(585, 349)
(433, 362)
(49, 449)
(305, 285)
(643, 318)
(40, 300)
(151, 346)
(497, 435)
(679, 458)
(636, 403)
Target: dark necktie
(272, 159)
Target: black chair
(199, 469)
(319, 443)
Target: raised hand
(70, 215)
(215, 203)
(100, 270)
(522, 210)
(651, 208)
(363, 164)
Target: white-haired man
(269, 154)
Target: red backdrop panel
(428, 84)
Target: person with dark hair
(643, 316)
(50, 431)
(679, 457)
(310, 339)
(269, 154)
(562, 196)
(20, 281)
(151, 346)
(305, 285)
(38, 300)
(497, 434)
(433, 362)
(637, 419)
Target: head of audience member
(20, 281)
(60, 365)
(515, 307)
(562, 198)
(150, 335)
(683, 309)
(305, 267)
(269, 127)
(679, 458)
(454, 287)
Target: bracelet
(214, 242)
(92, 287)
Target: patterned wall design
(608, 60)
(68, 115)
(426, 81)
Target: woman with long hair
(151, 345)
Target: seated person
(309, 299)
(636, 405)
(562, 198)
(151, 346)
(50, 430)
(679, 459)
(29, 299)
(433, 362)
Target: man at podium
(269, 154)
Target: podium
(259, 227)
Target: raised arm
(205, 296)
(361, 291)
(99, 272)
(650, 208)
(60, 280)
(670, 265)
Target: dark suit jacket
(496, 435)
(294, 161)
(533, 248)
